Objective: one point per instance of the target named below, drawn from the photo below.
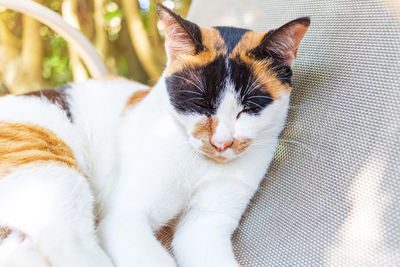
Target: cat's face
(229, 87)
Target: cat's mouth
(220, 150)
(237, 147)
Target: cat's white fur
(61, 232)
(144, 169)
(162, 174)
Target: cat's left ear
(282, 43)
(182, 37)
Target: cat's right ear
(283, 42)
(182, 37)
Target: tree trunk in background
(101, 40)
(69, 13)
(29, 69)
(157, 42)
(140, 40)
(86, 18)
(125, 49)
(9, 43)
(9, 51)
(3, 89)
(32, 53)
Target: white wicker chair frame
(75, 38)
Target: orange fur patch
(135, 98)
(214, 47)
(203, 131)
(240, 145)
(166, 233)
(22, 145)
(260, 68)
(4, 232)
(250, 40)
(206, 128)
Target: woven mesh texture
(332, 194)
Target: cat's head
(229, 87)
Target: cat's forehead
(229, 41)
(220, 41)
(238, 39)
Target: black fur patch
(198, 90)
(262, 52)
(58, 96)
(250, 93)
(194, 31)
(231, 36)
(284, 72)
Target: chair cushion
(331, 196)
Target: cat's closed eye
(197, 104)
(202, 106)
(241, 112)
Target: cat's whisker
(258, 85)
(259, 96)
(254, 103)
(250, 89)
(262, 143)
(189, 81)
(299, 144)
(190, 92)
(197, 78)
(271, 80)
(244, 92)
(194, 98)
(273, 128)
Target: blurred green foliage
(121, 58)
(56, 67)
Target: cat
(194, 148)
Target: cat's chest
(158, 165)
(154, 150)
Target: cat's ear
(282, 43)
(181, 36)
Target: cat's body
(173, 180)
(89, 138)
(195, 147)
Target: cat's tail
(18, 251)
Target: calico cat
(194, 147)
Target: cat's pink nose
(221, 146)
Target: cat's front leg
(52, 206)
(203, 237)
(129, 240)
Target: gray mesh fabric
(332, 194)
